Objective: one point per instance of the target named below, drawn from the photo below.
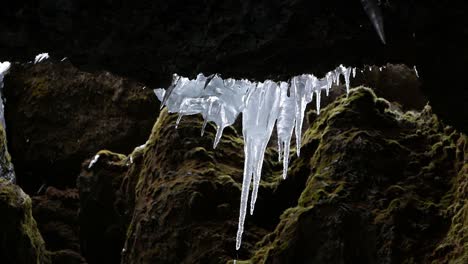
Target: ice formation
(93, 161)
(41, 57)
(4, 67)
(262, 104)
(6, 170)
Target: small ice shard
(416, 71)
(354, 72)
(41, 57)
(262, 106)
(175, 80)
(93, 161)
(375, 15)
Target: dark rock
(102, 220)
(57, 116)
(150, 40)
(67, 257)
(56, 213)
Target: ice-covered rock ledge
(262, 104)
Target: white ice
(41, 57)
(4, 67)
(262, 105)
(6, 171)
(93, 161)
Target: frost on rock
(262, 104)
(41, 57)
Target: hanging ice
(6, 170)
(4, 67)
(262, 105)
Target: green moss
(18, 228)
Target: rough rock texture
(20, 240)
(102, 217)
(56, 213)
(181, 197)
(151, 39)
(373, 185)
(57, 116)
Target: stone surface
(57, 116)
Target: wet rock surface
(58, 116)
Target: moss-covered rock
(57, 116)
(20, 240)
(376, 191)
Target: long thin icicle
(262, 106)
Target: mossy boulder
(20, 240)
(57, 116)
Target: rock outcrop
(57, 116)
(20, 240)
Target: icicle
(346, 74)
(285, 125)
(93, 161)
(4, 67)
(317, 100)
(416, 71)
(354, 72)
(203, 127)
(262, 105)
(298, 87)
(178, 120)
(175, 80)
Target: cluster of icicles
(262, 104)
